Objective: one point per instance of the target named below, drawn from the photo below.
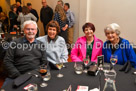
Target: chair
(134, 50)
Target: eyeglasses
(28, 29)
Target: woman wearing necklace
(88, 45)
(117, 46)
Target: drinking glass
(78, 68)
(22, 34)
(113, 60)
(2, 36)
(60, 65)
(34, 87)
(17, 30)
(43, 72)
(110, 81)
(106, 67)
(47, 77)
(86, 61)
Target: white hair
(29, 22)
(113, 27)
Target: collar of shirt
(49, 39)
(68, 11)
(26, 41)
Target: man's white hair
(29, 22)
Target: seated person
(87, 45)
(24, 54)
(55, 45)
(118, 46)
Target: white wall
(104, 12)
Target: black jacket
(46, 15)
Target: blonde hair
(59, 9)
(113, 27)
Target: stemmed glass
(17, 30)
(43, 72)
(113, 60)
(86, 61)
(60, 65)
(2, 36)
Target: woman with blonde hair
(61, 18)
(25, 15)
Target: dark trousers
(45, 31)
(64, 34)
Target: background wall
(5, 5)
(104, 12)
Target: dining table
(123, 82)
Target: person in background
(33, 11)
(0, 9)
(61, 18)
(19, 8)
(118, 46)
(5, 21)
(20, 60)
(88, 45)
(55, 45)
(13, 18)
(46, 14)
(25, 15)
(71, 20)
(60, 2)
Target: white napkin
(95, 89)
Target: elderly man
(24, 54)
(46, 14)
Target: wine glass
(17, 30)
(60, 65)
(2, 36)
(86, 61)
(43, 72)
(113, 60)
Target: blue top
(71, 18)
(56, 50)
(124, 51)
(58, 19)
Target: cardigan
(78, 52)
(124, 52)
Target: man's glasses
(28, 29)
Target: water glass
(33, 87)
(111, 75)
(78, 68)
(106, 67)
(110, 81)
